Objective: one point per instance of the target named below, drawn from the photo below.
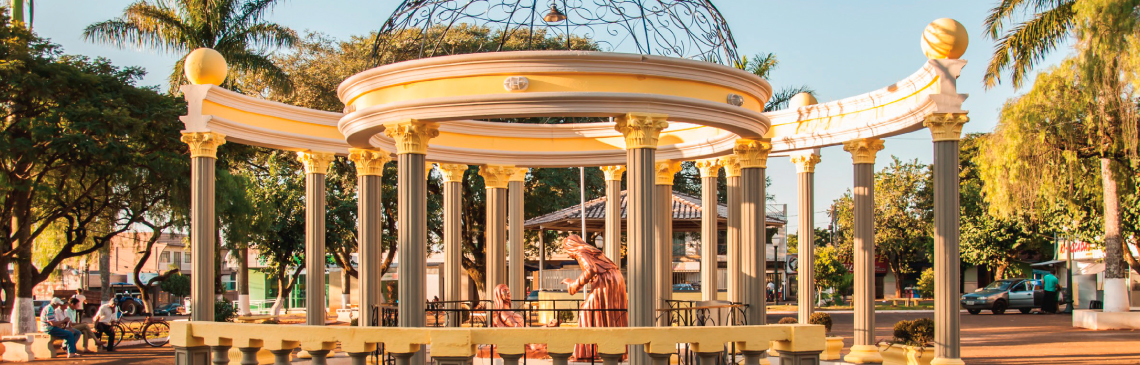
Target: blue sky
(839, 48)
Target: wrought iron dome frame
(692, 29)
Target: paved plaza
(986, 339)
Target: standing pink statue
(607, 290)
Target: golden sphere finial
(801, 100)
(945, 38)
(205, 66)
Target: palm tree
(235, 28)
(1027, 43)
(762, 65)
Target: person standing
(54, 323)
(75, 314)
(1049, 283)
(105, 318)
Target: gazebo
(676, 99)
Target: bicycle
(154, 331)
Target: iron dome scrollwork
(692, 29)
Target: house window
(187, 259)
(177, 257)
(164, 257)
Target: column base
(864, 354)
(198, 355)
(947, 361)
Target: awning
(1047, 263)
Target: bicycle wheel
(120, 332)
(156, 334)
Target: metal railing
(687, 313)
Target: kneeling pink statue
(605, 306)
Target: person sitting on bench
(54, 323)
(105, 319)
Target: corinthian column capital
(518, 174)
(945, 126)
(752, 153)
(665, 171)
(731, 166)
(496, 176)
(203, 144)
(641, 130)
(863, 150)
(805, 161)
(613, 172)
(412, 135)
(368, 162)
(315, 162)
(709, 167)
(452, 172)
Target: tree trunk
(900, 284)
(243, 281)
(105, 274)
(345, 289)
(281, 295)
(999, 272)
(23, 318)
(1115, 269)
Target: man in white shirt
(105, 319)
(54, 322)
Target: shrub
(354, 322)
(224, 311)
(926, 284)
(788, 320)
(822, 319)
(918, 332)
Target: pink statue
(607, 290)
(502, 299)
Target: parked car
(1020, 294)
(684, 287)
(172, 309)
(38, 305)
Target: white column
(732, 173)
(203, 156)
(710, 170)
(495, 180)
(316, 165)
(452, 241)
(369, 171)
(805, 162)
(641, 133)
(663, 234)
(613, 212)
(753, 158)
(946, 129)
(515, 217)
(863, 155)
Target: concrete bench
(17, 348)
